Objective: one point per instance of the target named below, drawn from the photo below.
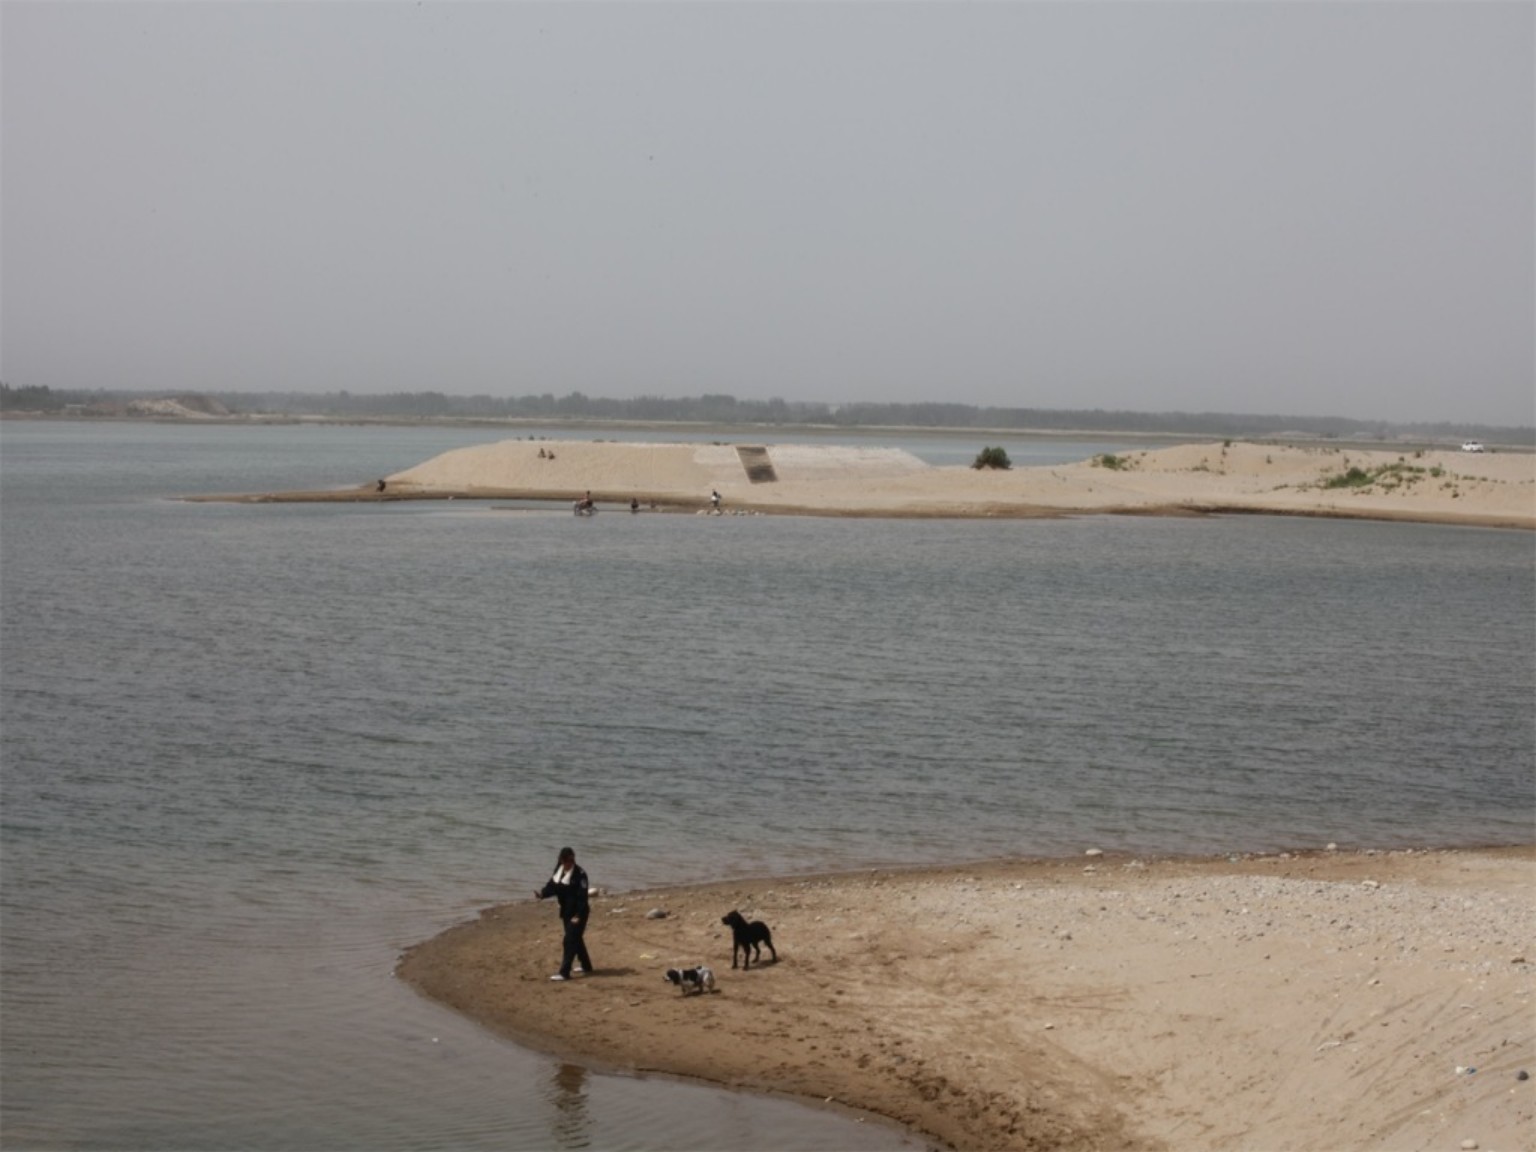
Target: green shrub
(1355, 478)
(1110, 460)
(993, 458)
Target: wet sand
(1485, 489)
(1330, 1000)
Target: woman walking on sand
(568, 885)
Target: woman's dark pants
(575, 948)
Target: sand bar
(1489, 489)
(1328, 1000)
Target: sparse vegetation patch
(1388, 477)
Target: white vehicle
(1472, 446)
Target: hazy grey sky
(1307, 208)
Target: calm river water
(252, 752)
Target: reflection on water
(569, 1125)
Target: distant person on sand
(381, 485)
(634, 504)
(714, 499)
(568, 885)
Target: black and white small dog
(747, 937)
(699, 979)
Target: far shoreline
(736, 431)
(654, 503)
(870, 480)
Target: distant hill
(727, 410)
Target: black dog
(748, 937)
(700, 979)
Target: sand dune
(1495, 489)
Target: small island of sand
(1326, 1000)
(1496, 489)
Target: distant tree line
(725, 409)
(31, 399)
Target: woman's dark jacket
(572, 895)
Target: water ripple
(250, 753)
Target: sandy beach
(1328, 1000)
(1494, 489)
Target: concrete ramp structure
(758, 465)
